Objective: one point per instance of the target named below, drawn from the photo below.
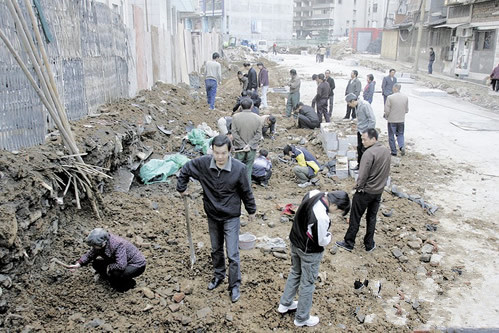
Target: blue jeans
(228, 230)
(395, 129)
(430, 67)
(211, 92)
(301, 279)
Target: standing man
(263, 83)
(353, 87)
(213, 77)
(330, 81)
(294, 92)
(307, 117)
(365, 120)
(323, 91)
(432, 60)
(373, 173)
(387, 85)
(274, 48)
(369, 89)
(308, 237)
(494, 79)
(397, 105)
(225, 184)
(252, 77)
(246, 132)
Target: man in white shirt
(213, 77)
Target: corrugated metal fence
(89, 60)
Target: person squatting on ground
(387, 84)
(397, 105)
(494, 78)
(213, 77)
(332, 85)
(243, 80)
(353, 87)
(244, 95)
(308, 167)
(114, 258)
(268, 125)
(322, 97)
(252, 77)
(294, 92)
(365, 120)
(368, 93)
(246, 133)
(262, 169)
(225, 184)
(307, 117)
(263, 83)
(308, 237)
(373, 173)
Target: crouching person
(308, 237)
(114, 258)
(308, 167)
(262, 169)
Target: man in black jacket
(252, 77)
(330, 80)
(308, 237)
(307, 117)
(321, 98)
(225, 184)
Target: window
(484, 40)
(339, 2)
(375, 8)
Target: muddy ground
(39, 296)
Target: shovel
(189, 235)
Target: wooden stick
(67, 186)
(76, 194)
(73, 155)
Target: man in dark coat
(252, 77)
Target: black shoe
(372, 248)
(344, 246)
(394, 154)
(215, 283)
(402, 151)
(346, 117)
(235, 294)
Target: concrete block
(352, 155)
(329, 137)
(352, 139)
(353, 173)
(343, 146)
(426, 92)
(404, 78)
(331, 154)
(342, 167)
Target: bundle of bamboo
(79, 173)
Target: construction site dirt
(38, 295)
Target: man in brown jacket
(246, 133)
(373, 173)
(396, 106)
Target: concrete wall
(270, 19)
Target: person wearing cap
(365, 120)
(308, 167)
(252, 77)
(307, 117)
(353, 87)
(294, 92)
(263, 82)
(308, 237)
(262, 169)
(114, 258)
(213, 77)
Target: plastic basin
(247, 241)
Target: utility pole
(422, 11)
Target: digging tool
(189, 235)
(57, 261)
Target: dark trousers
(331, 102)
(262, 179)
(395, 130)
(430, 67)
(304, 122)
(360, 147)
(361, 202)
(118, 279)
(322, 110)
(211, 92)
(229, 231)
(352, 110)
(495, 84)
(384, 99)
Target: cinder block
(343, 146)
(352, 140)
(342, 167)
(353, 173)
(329, 138)
(352, 155)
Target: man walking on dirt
(387, 85)
(330, 80)
(365, 120)
(252, 77)
(225, 184)
(246, 133)
(213, 77)
(373, 172)
(321, 98)
(397, 105)
(263, 83)
(294, 92)
(354, 87)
